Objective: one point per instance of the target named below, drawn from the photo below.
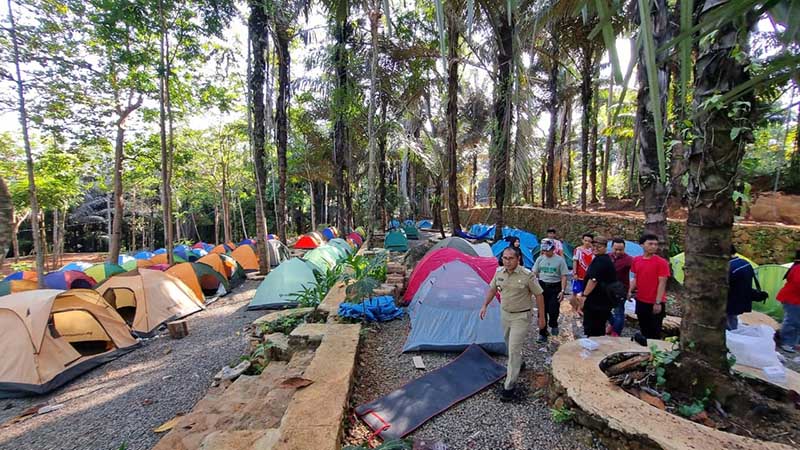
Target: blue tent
(199, 252)
(160, 251)
(77, 265)
(186, 253)
(394, 223)
(526, 239)
(408, 223)
(527, 255)
(631, 248)
(444, 313)
(144, 255)
(328, 234)
(424, 223)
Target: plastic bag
(753, 346)
(630, 306)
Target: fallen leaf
(295, 382)
(652, 400)
(540, 380)
(168, 425)
(147, 402)
(32, 410)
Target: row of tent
(314, 239)
(278, 289)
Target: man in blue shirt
(740, 289)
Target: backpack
(616, 292)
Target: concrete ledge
(314, 417)
(307, 335)
(624, 419)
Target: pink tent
(483, 266)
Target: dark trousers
(594, 322)
(552, 306)
(649, 323)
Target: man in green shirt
(551, 270)
(517, 287)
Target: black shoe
(542, 339)
(522, 367)
(507, 395)
(639, 339)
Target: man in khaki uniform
(517, 287)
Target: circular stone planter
(624, 421)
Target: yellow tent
(48, 337)
(147, 298)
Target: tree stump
(178, 329)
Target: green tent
(208, 277)
(275, 291)
(678, 261)
(322, 258)
(342, 246)
(396, 241)
(104, 270)
(770, 277)
(411, 232)
(238, 274)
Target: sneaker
(554, 331)
(542, 339)
(788, 348)
(506, 395)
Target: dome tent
(771, 279)
(485, 267)
(245, 255)
(68, 279)
(77, 265)
(411, 231)
(104, 270)
(307, 242)
(276, 289)
(22, 275)
(457, 243)
(147, 298)
(445, 313)
(200, 278)
(48, 337)
(396, 241)
(14, 286)
(527, 255)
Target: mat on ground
(404, 410)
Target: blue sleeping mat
(406, 409)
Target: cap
(547, 245)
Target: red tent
(356, 238)
(307, 241)
(483, 266)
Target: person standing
(740, 289)
(553, 236)
(596, 302)
(581, 259)
(622, 266)
(513, 241)
(551, 271)
(789, 295)
(517, 287)
(650, 274)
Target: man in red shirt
(650, 274)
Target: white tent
(483, 249)
(445, 312)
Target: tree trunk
(502, 113)
(23, 120)
(382, 167)
(452, 120)
(372, 170)
(713, 164)
(593, 147)
(282, 123)
(163, 87)
(18, 220)
(586, 70)
(54, 254)
(474, 181)
(340, 128)
(6, 220)
(119, 154)
(654, 189)
(549, 199)
(257, 34)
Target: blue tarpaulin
(375, 309)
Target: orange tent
(246, 258)
(143, 263)
(215, 262)
(185, 273)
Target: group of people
(596, 275)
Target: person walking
(622, 266)
(650, 274)
(553, 236)
(582, 257)
(596, 304)
(551, 271)
(740, 289)
(789, 295)
(517, 287)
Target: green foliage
(364, 275)
(660, 359)
(696, 407)
(284, 325)
(562, 414)
(21, 266)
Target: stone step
(250, 407)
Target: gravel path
(122, 401)
(481, 421)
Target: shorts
(577, 286)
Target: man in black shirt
(596, 303)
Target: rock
(393, 267)
(278, 344)
(702, 417)
(776, 207)
(652, 400)
(228, 373)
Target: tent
(236, 275)
(394, 223)
(246, 257)
(77, 265)
(527, 254)
(144, 255)
(343, 247)
(48, 337)
(408, 222)
(199, 252)
(770, 277)
(160, 251)
(568, 249)
(677, 262)
(483, 249)
(147, 298)
(246, 241)
(631, 248)
(288, 278)
(307, 241)
(200, 244)
(127, 262)
(355, 237)
(457, 243)
(323, 258)
(272, 236)
(221, 248)
(361, 232)
(14, 286)
(526, 239)
(200, 278)
(425, 223)
(445, 313)
(161, 267)
(485, 267)
(396, 241)
(215, 262)
(181, 247)
(186, 254)
(22, 275)
(328, 233)
(68, 279)
(278, 252)
(102, 271)
(143, 263)
(161, 258)
(411, 231)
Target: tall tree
(552, 62)
(23, 120)
(452, 21)
(6, 219)
(342, 29)
(373, 219)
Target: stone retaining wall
(762, 243)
